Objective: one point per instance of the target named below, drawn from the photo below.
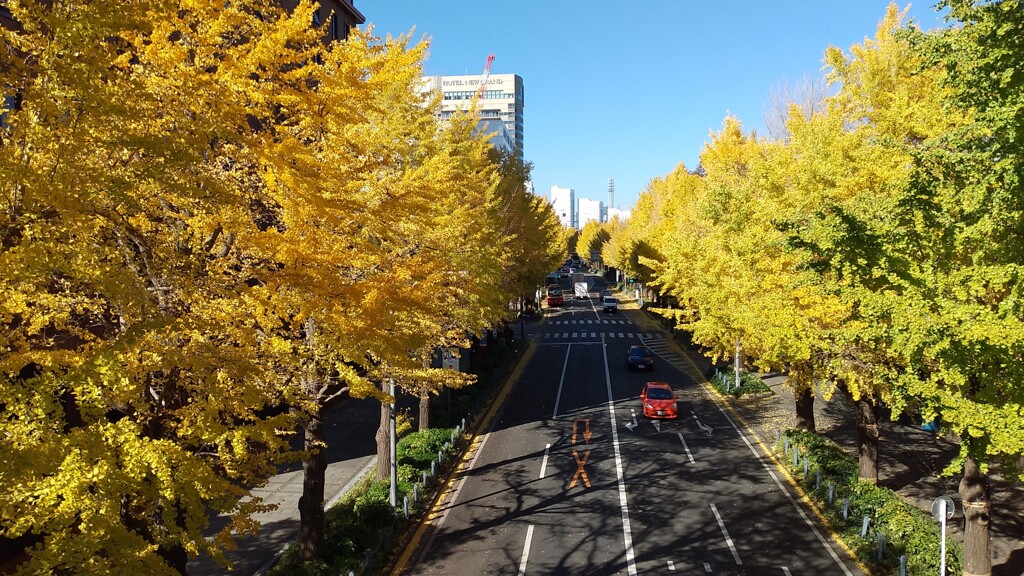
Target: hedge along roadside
(907, 530)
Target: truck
(580, 287)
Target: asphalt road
(571, 479)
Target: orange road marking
(580, 472)
(586, 429)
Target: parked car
(640, 358)
(659, 400)
(610, 304)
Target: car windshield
(637, 351)
(610, 301)
(659, 394)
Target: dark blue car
(640, 358)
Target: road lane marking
(561, 380)
(544, 462)
(671, 566)
(789, 496)
(728, 539)
(586, 429)
(786, 571)
(627, 536)
(580, 471)
(707, 568)
(685, 447)
(526, 550)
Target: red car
(659, 401)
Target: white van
(610, 304)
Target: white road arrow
(657, 425)
(632, 420)
(703, 426)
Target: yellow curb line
(484, 424)
(723, 403)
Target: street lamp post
(393, 460)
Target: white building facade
(563, 200)
(502, 99)
(590, 211)
(617, 213)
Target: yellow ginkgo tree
(135, 399)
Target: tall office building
(590, 211)
(338, 15)
(502, 98)
(563, 200)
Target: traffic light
(631, 280)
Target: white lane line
(786, 571)
(707, 568)
(685, 447)
(728, 539)
(788, 495)
(544, 462)
(561, 380)
(627, 536)
(671, 566)
(526, 550)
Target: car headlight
(648, 405)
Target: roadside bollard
(881, 545)
(864, 526)
(405, 506)
(806, 465)
(433, 467)
(831, 492)
(903, 565)
(440, 456)
(796, 456)
(817, 479)
(846, 508)
(416, 491)
(785, 445)
(424, 477)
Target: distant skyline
(631, 90)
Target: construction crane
(483, 81)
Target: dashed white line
(728, 539)
(561, 380)
(685, 447)
(671, 566)
(544, 462)
(526, 550)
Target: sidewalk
(349, 455)
(909, 458)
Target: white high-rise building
(564, 202)
(621, 214)
(590, 211)
(501, 99)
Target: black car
(640, 358)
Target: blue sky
(629, 90)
